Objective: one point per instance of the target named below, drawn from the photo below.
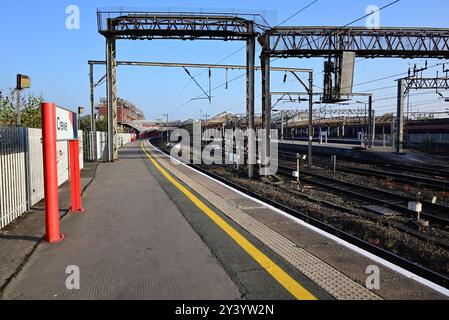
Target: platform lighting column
(250, 57)
(166, 127)
(93, 128)
(374, 128)
(370, 122)
(282, 125)
(18, 98)
(266, 101)
(310, 117)
(400, 117)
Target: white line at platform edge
(342, 242)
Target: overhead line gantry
(185, 26)
(338, 43)
(335, 43)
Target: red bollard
(53, 234)
(75, 180)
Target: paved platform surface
(132, 242)
(144, 237)
(20, 238)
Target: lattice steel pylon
(185, 26)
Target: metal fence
(21, 170)
(428, 137)
(100, 145)
(21, 166)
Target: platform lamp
(80, 112)
(166, 126)
(23, 82)
(282, 122)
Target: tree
(85, 123)
(7, 111)
(30, 110)
(31, 113)
(102, 125)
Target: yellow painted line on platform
(292, 286)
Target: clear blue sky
(36, 42)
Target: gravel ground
(383, 183)
(389, 185)
(376, 232)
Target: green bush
(30, 110)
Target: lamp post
(23, 82)
(166, 115)
(80, 112)
(282, 122)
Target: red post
(75, 180)
(53, 233)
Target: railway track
(437, 213)
(434, 212)
(430, 183)
(370, 216)
(420, 181)
(432, 171)
(420, 270)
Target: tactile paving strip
(328, 278)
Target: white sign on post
(66, 125)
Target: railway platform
(157, 229)
(355, 151)
(321, 145)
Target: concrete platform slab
(132, 243)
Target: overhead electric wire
(387, 107)
(213, 89)
(376, 11)
(202, 72)
(346, 25)
(297, 12)
(240, 49)
(196, 82)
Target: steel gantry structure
(404, 86)
(281, 42)
(368, 43)
(226, 67)
(333, 42)
(185, 26)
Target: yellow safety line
(298, 291)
